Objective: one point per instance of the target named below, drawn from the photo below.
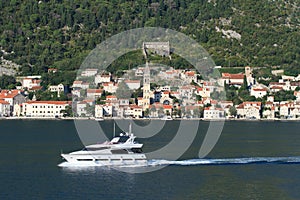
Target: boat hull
(106, 160)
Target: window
(84, 159)
(101, 159)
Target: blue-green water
(30, 153)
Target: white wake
(224, 161)
(220, 161)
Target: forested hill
(60, 34)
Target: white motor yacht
(121, 150)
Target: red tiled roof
(49, 102)
(3, 102)
(167, 107)
(135, 106)
(9, 93)
(256, 103)
(94, 91)
(276, 83)
(295, 83)
(36, 87)
(232, 76)
(132, 81)
(111, 97)
(77, 82)
(212, 108)
(190, 73)
(206, 83)
(213, 102)
(259, 89)
(276, 87)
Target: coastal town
(153, 91)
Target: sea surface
(251, 160)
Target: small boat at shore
(166, 118)
(121, 150)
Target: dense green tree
(39, 34)
(232, 111)
(283, 95)
(7, 82)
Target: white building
(30, 82)
(139, 72)
(57, 88)
(134, 111)
(189, 76)
(89, 72)
(213, 113)
(110, 87)
(276, 86)
(203, 92)
(80, 84)
(105, 110)
(258, 92)
(249, 110)
(231, 79)
(133, 84)
(170, 74)
(102, 78)
(186, 91)
(4, 108)
(44, 108)
(165, 88)
(269, 112)
(93, 93)
(76, 93)
(13, 97)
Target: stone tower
(248, 73)
(146, 87)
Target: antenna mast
(114, 130)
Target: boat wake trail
(227, 161)
(221, 161)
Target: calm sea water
(268, 154)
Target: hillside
(47, 33)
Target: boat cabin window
(101, 159)
(136, 150)
(115, 140)
(115, 159)
(84, 159)
(95, 148)
(119, 151)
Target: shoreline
(140, 119)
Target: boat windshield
(136, 150)
(94, 148)
(123, 139)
